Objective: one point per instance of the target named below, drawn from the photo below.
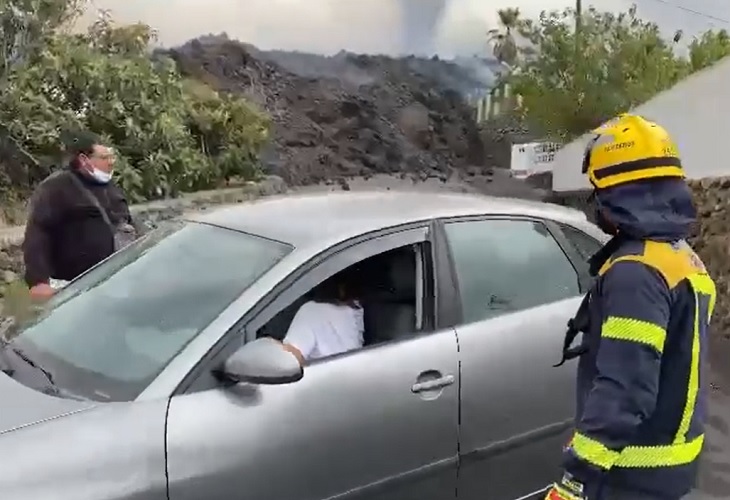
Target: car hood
(23, 406)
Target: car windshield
(111, 332)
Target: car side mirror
(263, 361)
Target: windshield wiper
(33, 364)
(8, 370)
(5, 346)
(4, 363)
(51, 389)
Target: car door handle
(431, 385)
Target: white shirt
(321, 329)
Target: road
(714, 481)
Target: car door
(517, 291)
(378, 423)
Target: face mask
(101, 176)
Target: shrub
(172, 135)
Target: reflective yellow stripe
(634, 330)
(702, 283)
(593, 452)
(675, 263)
(694, 377)
(661, 456)
(597, 454)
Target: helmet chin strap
(600, 215)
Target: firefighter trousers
(613, 493)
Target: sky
(446, 27)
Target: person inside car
(330, 323)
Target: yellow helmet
(630, 148)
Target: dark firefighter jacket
(642, 401)
(66, 234)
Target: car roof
(313, 218)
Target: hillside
(353, 115)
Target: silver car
(155, 376)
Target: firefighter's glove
(567, 489)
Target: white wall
(533, 157)
(696, 112)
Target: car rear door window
(505, 266)
(585, 245)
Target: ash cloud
(393, 27)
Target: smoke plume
(395, 27)
(321, 26)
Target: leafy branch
(624, 62)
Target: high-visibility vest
(676, 263)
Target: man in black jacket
(73, 216)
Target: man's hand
(42, 291)
(296, 352)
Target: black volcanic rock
(350, 115)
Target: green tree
(708, 48)
(26, 26)
(624, 61)
(504, 45)
(170, 139)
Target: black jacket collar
(604, 253)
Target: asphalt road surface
(714, 480)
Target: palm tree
(504, 46)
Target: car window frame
(447, 271)
(580, 260)
(297, 283)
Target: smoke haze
(424, 27)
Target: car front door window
(508, 265)
(380, 422)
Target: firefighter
(642, 386)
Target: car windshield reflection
(109, 333)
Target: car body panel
(324, 220)
(115, 451)
(351, 428)
(517, 409)
(330, 221)
(29, 406)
